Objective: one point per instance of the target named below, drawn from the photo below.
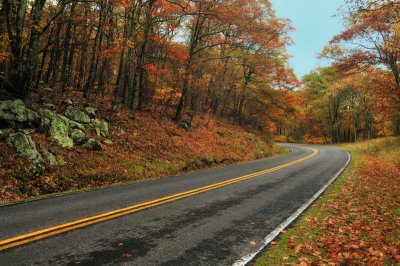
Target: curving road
(221, 216)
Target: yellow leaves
(130, 43)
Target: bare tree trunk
(67, 49)
(15, 29)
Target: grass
(356, 221)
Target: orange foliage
(143, 147)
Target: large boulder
(93, 145)
(77, 115)
(59, 130)
(26, 148)
(16, 111)
(101, 128)
(59, 127)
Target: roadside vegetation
(356, 222)
(136, 149)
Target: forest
(174, 58)
(130, 67)
(108, 96)
(226, 59)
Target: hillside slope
(138, 147)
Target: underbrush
(143, 147)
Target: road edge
(129, 183)
(275, 233)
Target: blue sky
(316, 23)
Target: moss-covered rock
(16, 111)
(101, 128)
(5, 132)
(91, 111)
(26, 148)
(77, 115)
(50, 157)
(185, 125)
(59, 127)
(59, 130)
(78, 136)
(108, 142)
(93, 145)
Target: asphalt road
(218, 226)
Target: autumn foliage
(142, 148)
(356, 222)
(181, 58)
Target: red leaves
(359, 224)
(150, 67)
(177, 54)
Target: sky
(316, 22)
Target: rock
(59, 130)
(26, 148)
(5, 132)
(46, 116)
(59, 127)
(93, 145)
(77, 115)
(108, 142)
(91, 111)
(101, 128)
(27, 131)
(185, 125)
(67, 102)
(16, 111)
(49, 106)
(78, 136)
(50, 157)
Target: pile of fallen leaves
(356, 223)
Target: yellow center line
(55, 230)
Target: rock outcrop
(59, 127)
(17, 123)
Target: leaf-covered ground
(356, 222)
(143, 147)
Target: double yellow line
(51, 231)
